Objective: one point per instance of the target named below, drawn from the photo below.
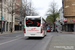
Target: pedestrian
(1, 30)
(11, 30)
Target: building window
(4, 10)
(4, 1)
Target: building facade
(69, 13)
(18, 8)
(61, 18)
(6, 13)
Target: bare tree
(11, 10)
(27, 9)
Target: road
(17, 41)
(53, 41)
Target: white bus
(34, 26)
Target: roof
(32, 16)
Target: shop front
(70, 25)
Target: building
(18, 8)
(6, 13)
(69, 13)
(61, 18)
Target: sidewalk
(10, 32)
(65, 32)
(62, 42)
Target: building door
(66, 27)
(7, 26)
(4, 26)
(71, 27)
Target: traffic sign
(2, 17)
(57, 18)
(65, 19)
(24, 26)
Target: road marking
(8, 37)
(18, 35)
(9, 41)
(4, 34)
(1, 36)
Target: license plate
(32, 34)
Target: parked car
(48, 29)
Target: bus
(34, 26)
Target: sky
(42, 6)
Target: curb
(65, 32)
(4, 33)
(48, 46)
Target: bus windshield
(33, 22)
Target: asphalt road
(17, 41)
(53, 41)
